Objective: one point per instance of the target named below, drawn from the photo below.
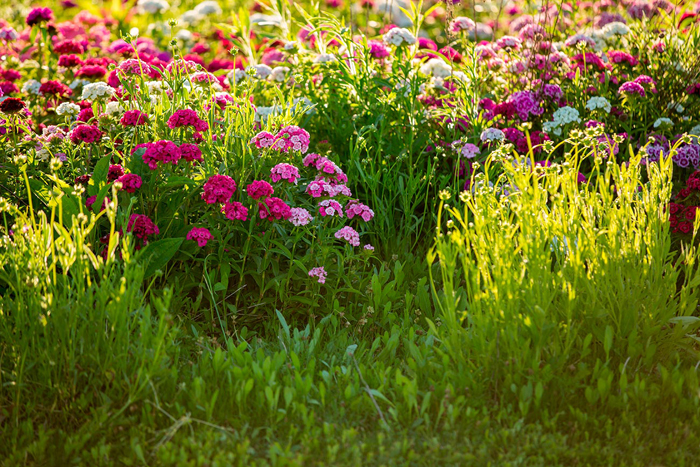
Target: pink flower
(187, 117)
(218, 189)
(355, 208)
(300, 216)
(292, 138)
(274, 209)
(190, 152)
(134, 118)
(114, 172)
(130, 182)
(330, 207)
(259, 189)
(319, 188)
(200, 235)
(319, 272)
(141, 226)
(368, 247)
(285, 172)
(162, 151)
(39, 15)
(632, 88)
(263, 140)
(349, 234)
(86, 134)
(235, 211)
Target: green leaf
(157, 254)
(99, 176)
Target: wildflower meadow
(348, 233)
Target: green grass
(573, 357)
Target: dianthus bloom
(355, 208)
(292, 138)
(187, 117)
(300, 216)
(462, 23)
(349, 234)
(134, 118)
(263, 140)
(492, 134)
(378, 50)
(130, 182)
(320, 273)
(114, 172)
(399, 37)
(630, 87)
(329, 207)
(235, 211)
(39, 15)
(54, 88)
(200, 235)
(190, 152)
(218, 189)
(319, 188)
(369, 247)
(141, 226)
(274, 209)
(163, 151)
(11, 105)
(285, 172)
(259, 188)
(86, 134)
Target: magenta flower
(235, 211)
(349, 234)
(259, 188)
(274, 209)
(218, 189)
(263, 140)
(355, 208)
(39, 15)
(200, 235)
(285, 172)
(130, 182)
(85, 134)
(190, 152)
(141, 226)
(320, 273)
(630, 87)
(187, 117)
(162, 151)
(134, 118)
(330, 207)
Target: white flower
(153, 6)
(96, 91)
(615, 29)
(262, 113)
(576, 38)
(663, 122)
(565, 115)
(492, 134)
(598, 102)
(184, 35)
(113, 108)
(68, 108)
(78, 83)
(157, 87)
(462, 23)
(290, 45)
(399, 37)
(208, 7)
(236, 76)
(279, 73)
(191, 17)
(31, 86)
(325, 58)
(436, 67)
(262, 71)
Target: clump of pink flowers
(274, 209)
(355, 208)
(190, 152)
(187, 117)
(292, 138)
(134, 118)
(200, 235)
(330, 207)
(86, 134)
(320, 273)
(285, 172)
(349, 234)
(300, 216)
(235, 211)
(218, 189)
(130, 182)
(142, 227)
(39, 15)
(162, 151)
(259, 189)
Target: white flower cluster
(325, 58)
(97, 91)
(562, 117)
(279, 74)
(153, 6)
(399, 37)
(208, 7)
(436, 67)
(663, 122)
(492, 134)
(68, 108)
(599, 102)
(572, 41)
(184, 35)
(615, 29)
(31, 86)
(114, 108)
